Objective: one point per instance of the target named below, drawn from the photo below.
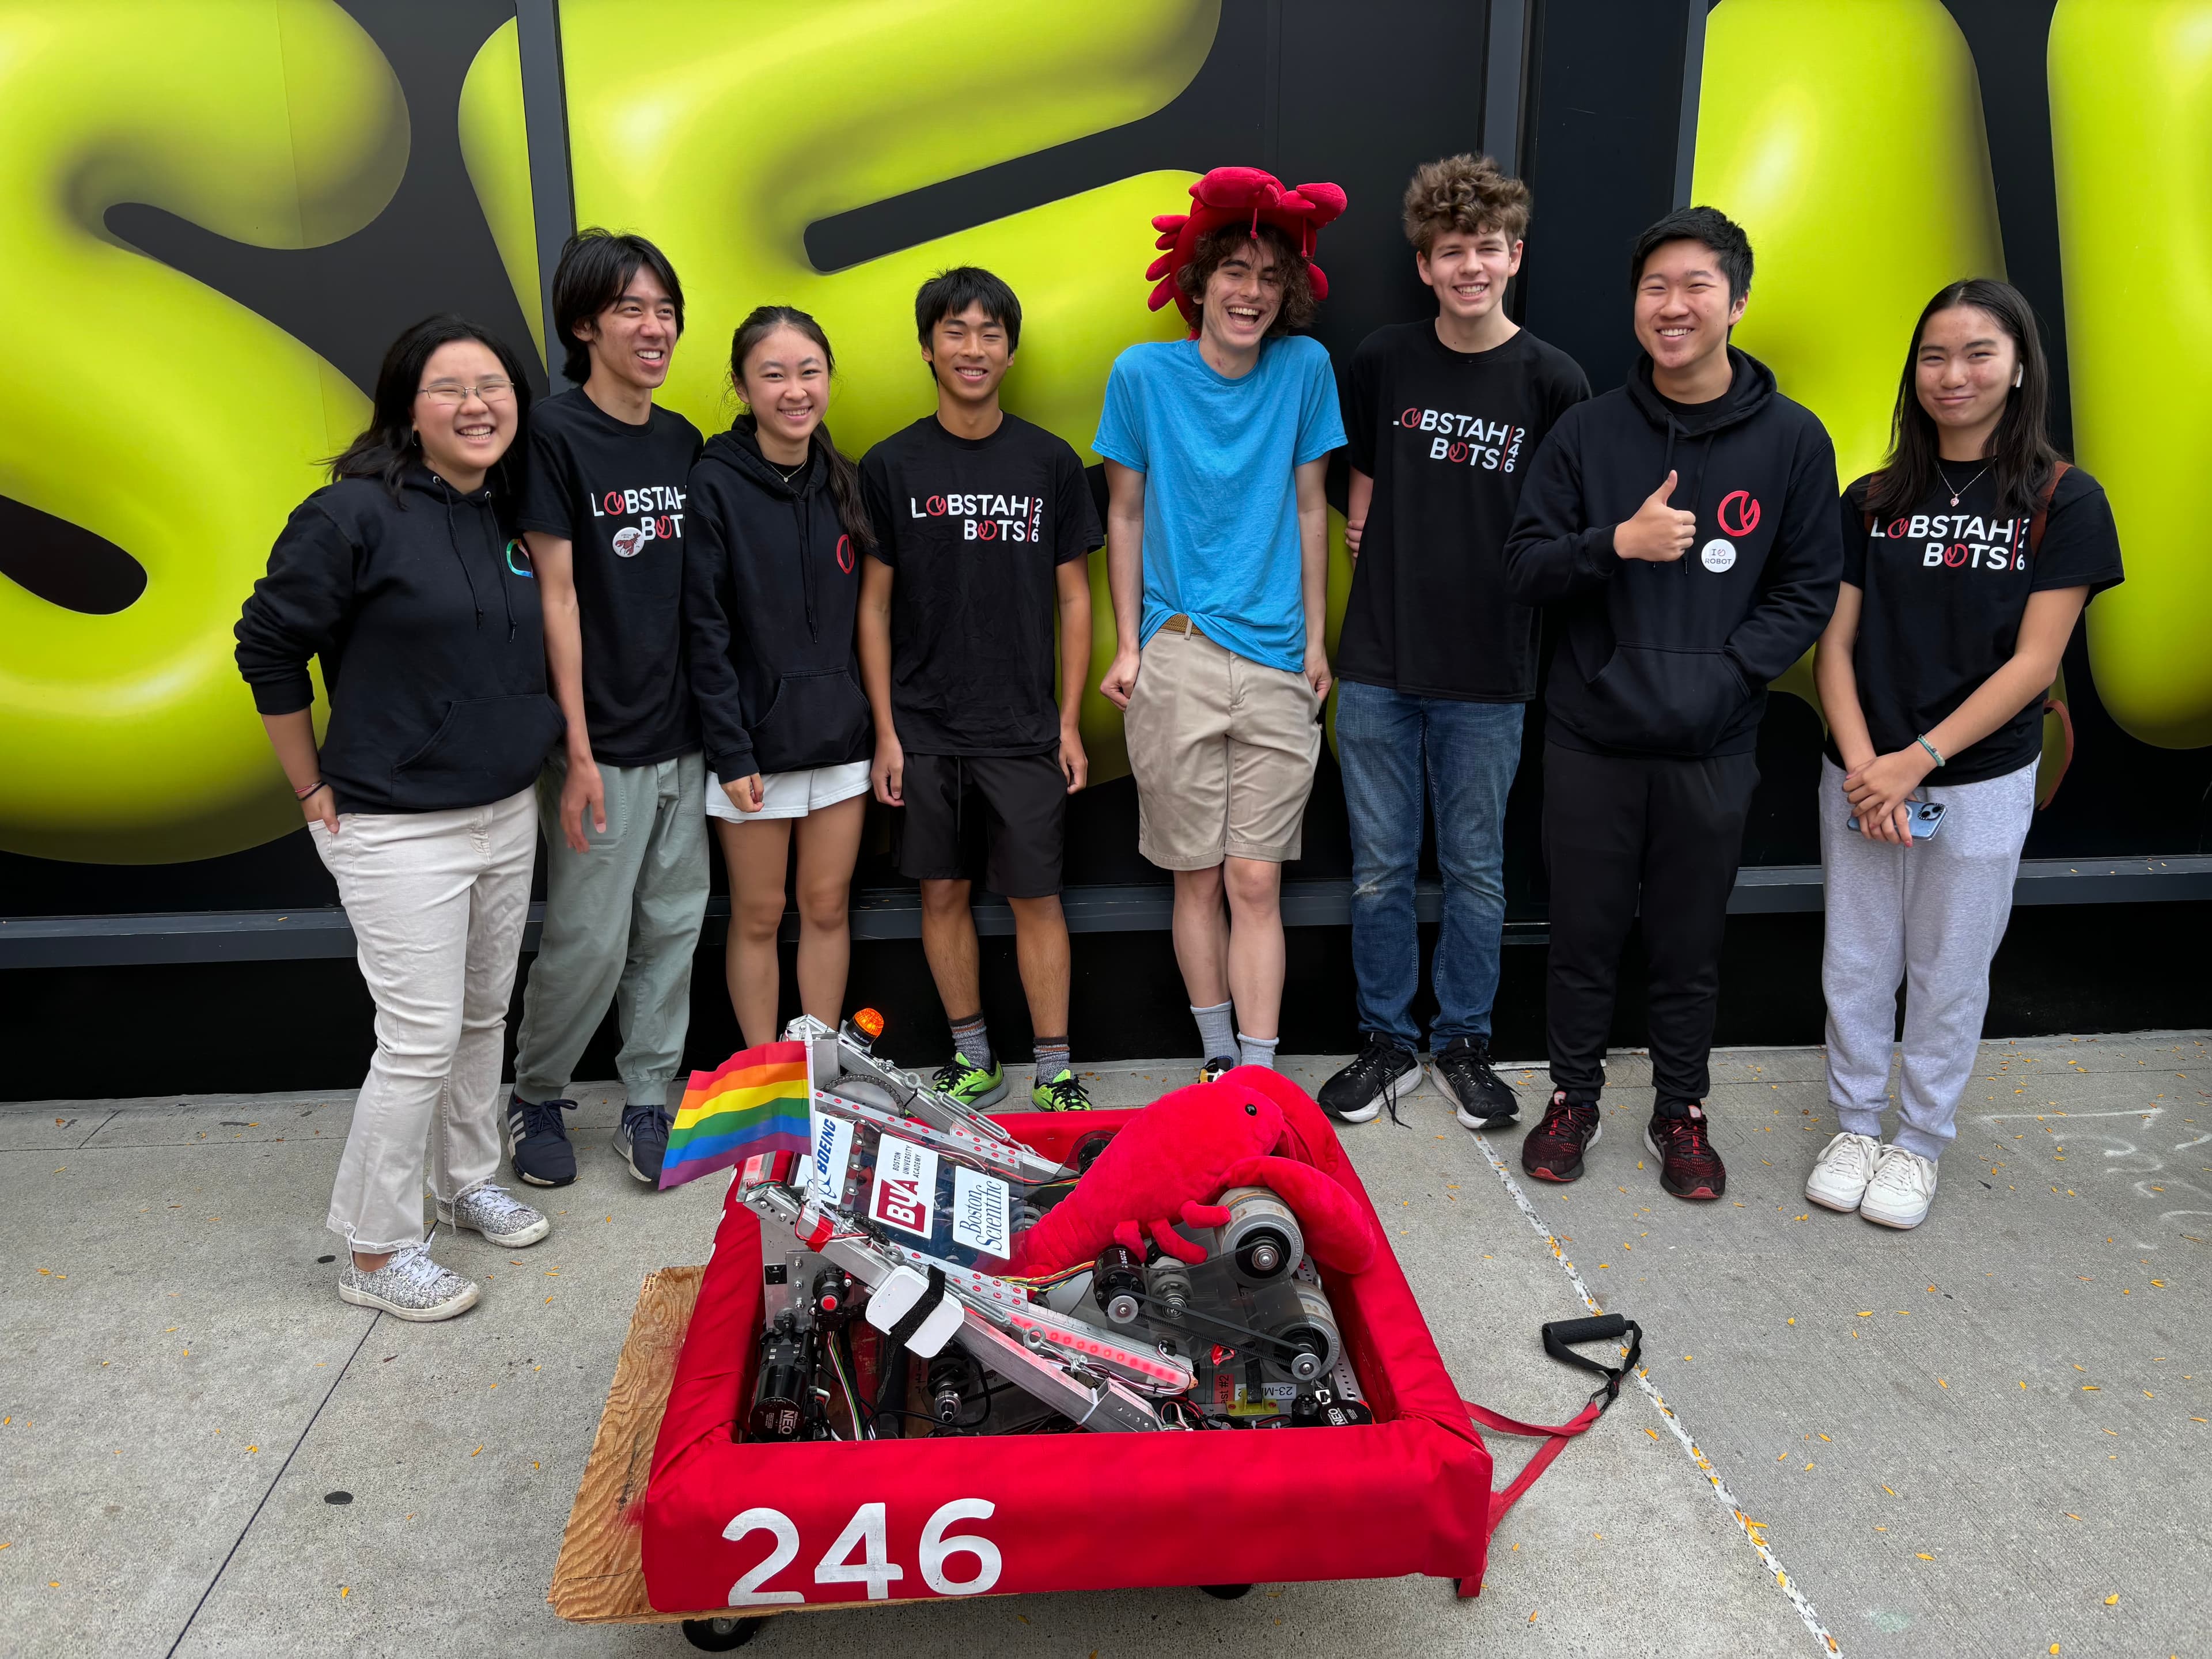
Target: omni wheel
(720, 1635)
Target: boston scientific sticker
(1719, 553)
(981, 1215)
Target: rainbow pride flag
(755, 1102)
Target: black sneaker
(1688, 1165)
(1211, 1071)
(537, 1141)
(1485, 1100)
(643, 1141)
(1553, 1150)
(1378, 1075)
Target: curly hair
(1216, 245)
(1465, 193)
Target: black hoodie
(771, 588)
(1673, 659)
(424, 612)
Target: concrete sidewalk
(1984, 1438)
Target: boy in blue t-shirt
(1217, 555)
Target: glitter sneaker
(503, 1221)
(409, 1286)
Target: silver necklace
(1963, 487)
(802, 467)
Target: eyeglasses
(446, 394)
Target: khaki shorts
(1223, 750)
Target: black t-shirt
(976, 529)
(1945, 589)
(616, 492)
(1447, 436)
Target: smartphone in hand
(1923, 818)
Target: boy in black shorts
(984, 523)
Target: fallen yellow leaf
(2111, 1600)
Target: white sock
(1217, 1030)
(1256, 1051)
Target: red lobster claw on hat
(1230, 196)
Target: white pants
(437, 901)
(1931, 915)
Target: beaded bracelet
(1932, 749)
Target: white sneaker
(1903, 1187)
(503, 1221)
(409, 1286)
(1841, 1171)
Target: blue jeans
(1470, 750)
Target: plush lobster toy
(1237, 195)
(1173, 1159)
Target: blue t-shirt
(1221, 501)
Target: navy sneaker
(643, 1141)
(537, 1141)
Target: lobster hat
(1237, 195)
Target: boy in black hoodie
(1685, 524)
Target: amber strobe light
(869, 1023)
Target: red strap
(1555, 1437)
(2052, 705)
(2043, 508)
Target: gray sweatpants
(1931, 915)
(621, 920)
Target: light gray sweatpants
(1931, 915)
(621, 920)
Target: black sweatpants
(1670, 832)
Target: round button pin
(1718, 554)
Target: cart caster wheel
(1226, 1592)
(720, 1635)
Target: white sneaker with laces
(503, 1221)
(409, 1286)
(1903, 1187)
(1841, 1171)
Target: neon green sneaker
(969, 1083)
(1062, 1094)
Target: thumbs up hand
(1658, 533)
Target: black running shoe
(1553, 1150)
(1485, 1100)
(1377, 1076)
(1688, 1165)
(643, 1141)
(537, 1141)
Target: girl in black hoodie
(403, 576)
(770, 592)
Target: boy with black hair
(1436, 663)
(1659, 682)
(984, 526)
(626, 866)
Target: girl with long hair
(771, 589)
(1968, 558)
(403, 575)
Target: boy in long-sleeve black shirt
(1685, 526)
